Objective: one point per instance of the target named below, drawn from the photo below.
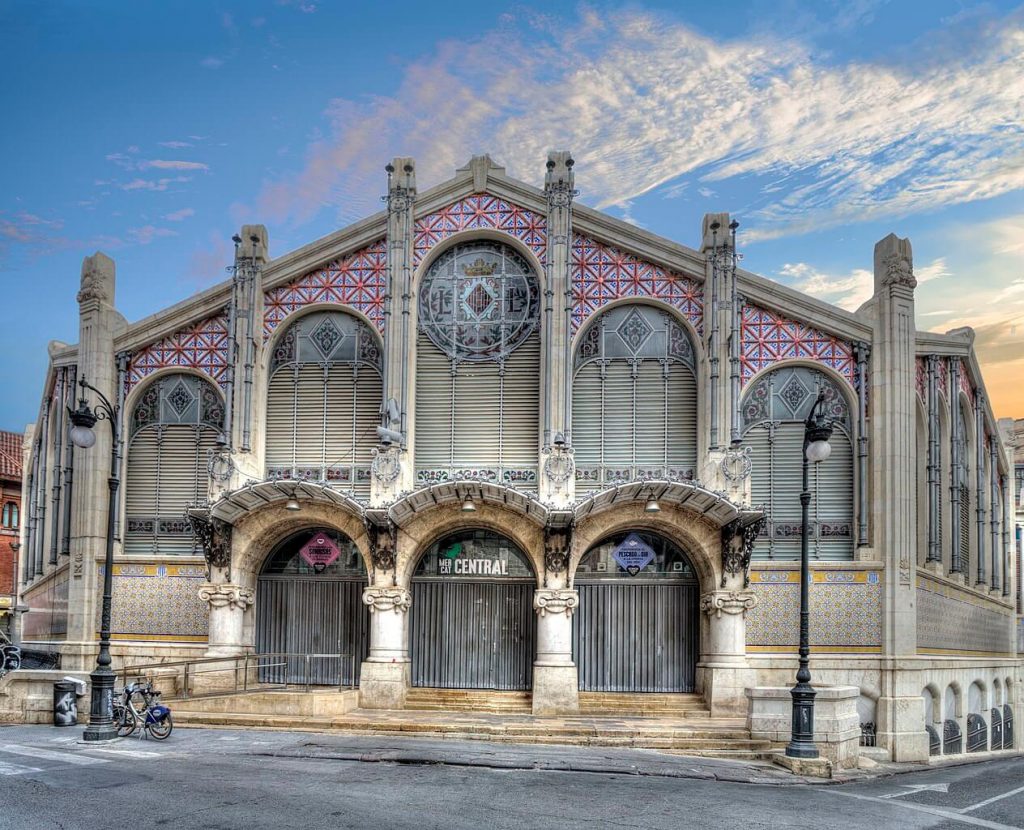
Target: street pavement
(219, 779)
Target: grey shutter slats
(433, 405)
(617, 414)
(309, 416)
(682, 418)
(586, 426)
(280, 446)
(832, 504)
(477, 414)
(521, 394)
(141, 486)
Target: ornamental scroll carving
(387, 599)
(556, 549)
(737, 547)
(214, 535)
(97, 278)
(727, 602)
(555, 601)
(899, 270)
(383, 539)
(226, 595)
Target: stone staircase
(679, 724)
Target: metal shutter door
(140, 495)
(651, 427)
(520, 421)
(587, 435)
(832, 499)
(477, 414)
(682, 412)
(280, 440)
(433, 406)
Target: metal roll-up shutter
(367, 413)
(141, 484)
(183, 481)
(618, 412)
(652, 425)
(832, 501)
(520, 421)
(434, 404)
(280, 433)
(339, 418)
(587, 437)
(309, 415)
(477, 414)
(682, 412)
(776, 483)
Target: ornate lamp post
(101, 724)
(817, 431)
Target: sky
(153, 131)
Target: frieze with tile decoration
(768, 337)
(603, 273)
(157, 601)
(846, 609)
(202, 346)
(481, 211)
(357, 280)
(950, 619)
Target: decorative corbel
(383, 540)
(738, 545)
(557, 542)
(214, 535)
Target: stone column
(385, 675)
(893, 437)
(725, 670)
(555, 679)
(228, 604)
(717, 241)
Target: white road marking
(918, 788)
(51, 755)
(128, 753)
(992, 800)
(934, 811)
(15, 769)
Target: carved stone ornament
(727, 602)
(386, 464)
(556, 549)
(387, 599)
(559, 466)
(737, 464)
(737, 546)
(560, 194)
(215, 537)
(555, 601)
(95, 280)
(382, 545)
(226, 595)
(899, 271)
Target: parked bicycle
(139, 707)
(10, 655)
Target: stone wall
(951, 620)
(48, 617)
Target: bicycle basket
(157, 714)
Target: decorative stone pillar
(228, 604)
(384, 679)
(555, 679)
(726, 672)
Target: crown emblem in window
(479, 268)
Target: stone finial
(255, 243)
(559, 181)
(97, 279)
(402, 174)
(718, 234)
(894, 263)
(481, 167)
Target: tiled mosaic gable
(769, 337)
(602, 273)
(358, 280)
(480, 211)
(202, 346)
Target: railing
(210, 676)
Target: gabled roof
(10, 455)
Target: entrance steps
(469, 700)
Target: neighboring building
(10, 523)
(589, 480)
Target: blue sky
(152, 131)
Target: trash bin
(65, 703)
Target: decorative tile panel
(952, 620)
(602, 273)
(943, 378)
(965, 382)
(768, 337)
(202, 346)
(358, 280)
(921, 377)
(157, 601)
(846, 610)
(480, 211)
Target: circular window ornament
(479, 301)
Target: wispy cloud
(852, 290)
(179, 215)
(643, 102)
(211, 62)
(173, 164)
(176, 145)
(148, 233)
(147, 184)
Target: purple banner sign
(633, 555)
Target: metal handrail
(240, 666)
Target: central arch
(472, 624)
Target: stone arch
(138, 389)
(933, 704)
(952, 704)
(977, 697)
(655, 302)
(294, 316)
(469, 236)
(848, 392)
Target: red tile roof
(10, 455)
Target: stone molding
(224, 594)
(727, 602)
(387, 599)
(555, 601)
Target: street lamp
(101, 721)
(817, 431)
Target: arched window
(172, 428)
(774, 411)
(323, 401)
(478, 367)
(634, 399)
(10, 515)
(962, 482)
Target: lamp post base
(801, 743)
(101, 708)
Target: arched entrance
(473, 625)
(309, 601)
(637, 625)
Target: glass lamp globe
(818, 451)
(83, 436)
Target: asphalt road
(216, 779)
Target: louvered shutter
(368, 403)
(586, 427)
(520, 421)
(832, 504)
(280, 434)
(477, 414)
(776, 482)
(682, 418)
(338, 421)
(651, 426)
(141, 486)
(434, 403)
(618, 416)
(309, 416)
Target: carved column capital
(387, 599)
(224, 594)
(727, 602)
(555, 601)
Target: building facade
(491, 438)
(11, 451)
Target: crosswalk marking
(125, 753)
(15, 769)
(52, 755)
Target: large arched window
(634, 399)
(478, 367)
(774, 410)
(323, 401)
(172, 428)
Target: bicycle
(154, 717)
(10, 655)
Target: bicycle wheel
(124, 720)
(162, 730)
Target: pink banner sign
(319, 552)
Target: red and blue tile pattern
(482, 211)
(768, 338)
(202, 346)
